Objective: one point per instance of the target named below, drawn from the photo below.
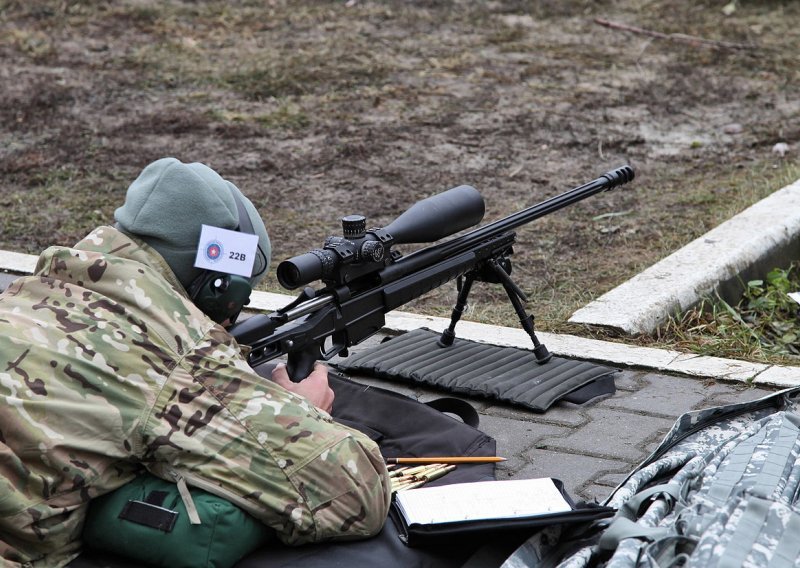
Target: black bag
(401, 426)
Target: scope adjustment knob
(373, 251)
(354, 226)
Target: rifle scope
(425, 257)
(360, 250)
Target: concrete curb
(615, 354)
(745, 246)
(17, 263)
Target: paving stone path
(591, 448)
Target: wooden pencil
(446, 460)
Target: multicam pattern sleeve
(106, 366)
(229, 431)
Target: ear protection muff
(219, 295)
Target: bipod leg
(517, 297)
(449, 334)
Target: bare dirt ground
(321, 109)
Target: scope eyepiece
(305, 268)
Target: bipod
(495, 271)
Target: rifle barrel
(420, 258)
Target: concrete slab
(17, 262)
(629, 382)
(560, 414)
(658, 397)
(6, 279)
(575, 470)
(514, 438)
(611, 479)
(779, 375)
(721, 394)
(612, 434)
(596, 492)
(745, 246)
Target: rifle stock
(361, 287)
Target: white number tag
(226, 251)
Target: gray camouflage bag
(721, 490)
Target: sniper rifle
(364, 278)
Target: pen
(452, 459)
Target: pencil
(452, 459)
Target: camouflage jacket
(106, 366)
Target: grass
(302, 72)
(57, 207)
(286, 116)
(764, 326)
(320, 109)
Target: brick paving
(592, 447)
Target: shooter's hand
(314, 387)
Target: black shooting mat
(470, 368)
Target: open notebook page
(481, 500)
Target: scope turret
(359, 252)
